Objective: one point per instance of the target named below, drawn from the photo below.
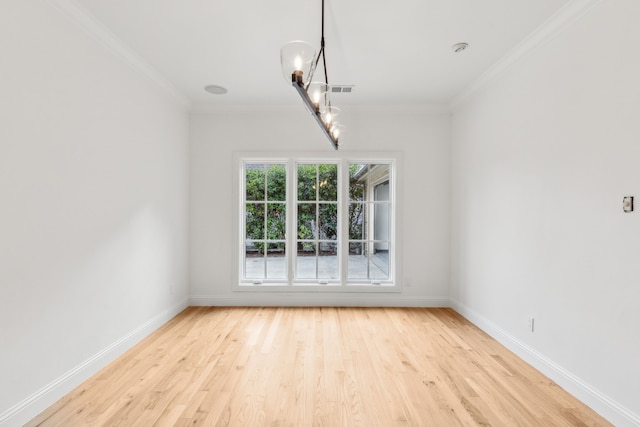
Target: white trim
(118, 48)
(312, 286)
(567, 14)
(316, 300)
(599, 402)
(28, 408)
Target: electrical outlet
(531, 324)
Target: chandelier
(299, 63)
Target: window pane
(276, 261)
(328, 260)
(276, 221)
(254, 221)
(381, 191)
(357, 229)
(328, 221)
(357, 182)
(307, 177)
(276, 183)
(357, 248)
(327, 248)
(379, 263)
(254, 182)
(254, 260)
(358, 261)
(306, 261)
(307, 228)
(381, 221)
(378, 174)
(328, 185)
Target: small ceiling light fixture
(215, 89)
(299, 63)
(459, 47)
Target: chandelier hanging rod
(324, 58)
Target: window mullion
(265, 222)
(242, 220)
(317, 233)
(343, 216)
(292, 220)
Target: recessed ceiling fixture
(459, 47)
(215, 89)
(299, 62)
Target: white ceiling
(394, 52)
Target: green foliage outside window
(316, 184)
(273, 213)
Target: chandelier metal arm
(313, 109)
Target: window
(369, 222)
(307, 222)
(265, 213)
(317, 223)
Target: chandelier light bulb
(335, 129)
(296, 59)
(317, 92)
(330, 114)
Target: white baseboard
(599, 402)
(317, 300)
(28, 408)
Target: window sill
(316, 288)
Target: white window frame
(342, 159)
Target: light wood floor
(318, 367)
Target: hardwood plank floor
(219, 366)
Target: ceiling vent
(341, 88)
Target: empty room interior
(422, 215)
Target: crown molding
(99, 32)
(568, 14)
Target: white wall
(93, 197)
(541, 161)
(420, 135)
(93, 206)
